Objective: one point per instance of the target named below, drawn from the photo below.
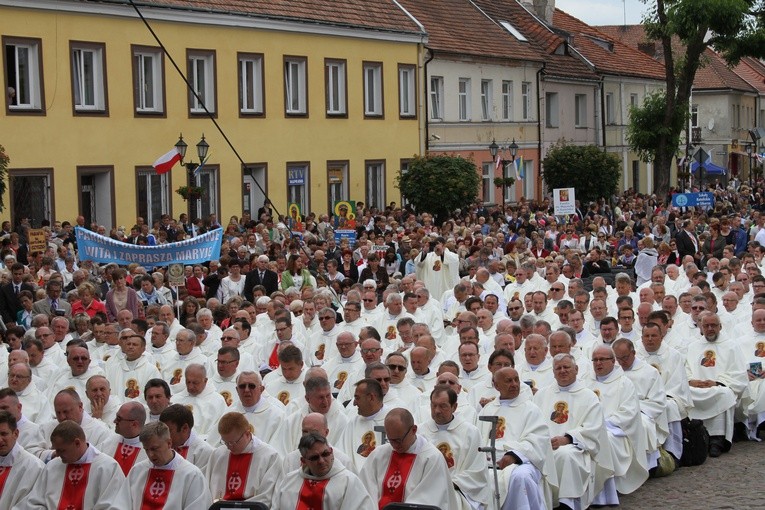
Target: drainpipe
(427, 98)
(539, 132)
(603, 120)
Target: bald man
(37, 406)
(314, 423)
(205, 403)
(125, 446)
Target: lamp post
(504, 181)
(749, 153)
(202, 148)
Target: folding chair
(237, 505)
(409, 506)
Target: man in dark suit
(260, 275)
(687, 242)
(9, 293)
(53, 301)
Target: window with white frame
(335, 80)
(436, 97)
(610, 111)
(487, 181)
(148, 80)
(297, 184)
(373, 89)
(526, 99)
(154, 190)
(251, 84)
(295, 86)
(207, 178)
(337, 182)
(507, 100)
(634, 100)
(201, 75)
(552, 109)
(695, 115)
(88, 80)
(407, 96)
(375, 184)
(487, 99)
(23, 74)
(463, 98)
(580, 110)
(404, 169)
(528, 178)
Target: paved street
(736, 481)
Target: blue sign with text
(705, 199)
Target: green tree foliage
(439, 184)
(685, 29)
(4, 161)
(592, 172)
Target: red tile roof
(382, 15)
(459, 27)
(753, 71)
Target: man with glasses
(371, 352)
(125, 445)
(321, 346)
(515, 310)
(186, 353)
(624, 427)
(408, 468)
(128, 374)
(627, 324)
(323, 483)
(37, 405)
(398, 365)
(53, 351)
(352, 321)
(244, 468)
(165, 480)
(226, 370)
(80, 369)
(371, 312)
(348, 361)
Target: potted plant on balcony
(191, 192)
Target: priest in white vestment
(322, 483)
(200, 397)
(347, 362)
(458, 441)
(19, 469)
(717, 377)
(244, 468)
(438, 267)
(359, 439)
(125, 446)
(753, 347)
(408, 468)
(526, 466)
(77, 374)
(129, 374)
(313, 423)
(578, 435)
(180, 421)
(165, 481)
(286, 383)
(186, 354)
(37, 405)
(80, 475)
(68, 406)
(30, 434)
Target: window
(148, 80)
(487, 100)
(436, 97)
(526, 98)
(201, 75)
(297, 184)
(407, 97)
(528, 178)
(207, 178)
(375, 185)
(515, 33)
(404, 169)
(636, 175)
(88, 78)
(154, 190)
(551, 110)
(23, 74)
(580, 110)
(634, 100)
(251, 84)
(610, 112)
(335, 83)
(337, 182)
(507, 100)
(295, 86)
(373, 89)
(487, 181)
(463, 98)
(695, 115)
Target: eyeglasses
(514, 308)
(279, 330)
(229, 444)
(383, 379)
(400, 440)
(119, 419)
(370, 350)
(702, 308)
(345, 344)
(400, 368)
(17, 376)
(554, 289)
(79, 359)
(601, 360)
(230, 337)
(225, 362)
(326, 318)
(324, 455)
(368, 300)
(247, 386)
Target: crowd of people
(309, 371)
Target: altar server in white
(19, 469)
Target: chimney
(543, 9)
(649, 48)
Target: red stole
(125, 456)
(4, 472)
(73, 489)
(236, 476)
(312, 495)
(394, 481)
(273, 360)
(183, 450)
(157, 489)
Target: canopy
(709, 168)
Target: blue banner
(705, 199)
(196, 250)
(345, 234)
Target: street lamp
(503, 181)
(202, 148)
(749, 153)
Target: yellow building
(319, 99)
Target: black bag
(695, 442)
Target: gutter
(539, 131)
(427, 96)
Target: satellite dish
(711, 124)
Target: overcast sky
(604, 12)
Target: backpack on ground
(695, 442)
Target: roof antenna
(624, 4)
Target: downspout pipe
(432, 55)
(539, 131)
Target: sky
(604, 12)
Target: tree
(736, 28)
(592, 172)
(439, 184)
(4, 161)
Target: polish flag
(166, 162)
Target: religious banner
(196, 250)
(294, 219)
(563, 201)
(344, 214)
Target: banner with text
(196, 250)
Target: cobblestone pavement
(734, 481)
